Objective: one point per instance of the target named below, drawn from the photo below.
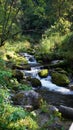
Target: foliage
(9, 24)
(15, 85)
(49, 46)
(18, 45)
(61, 26)
(14, 117)
(5, 73)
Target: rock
(53, 109)
(58, 63)
(31, 59)
(43, 73)
(28, 78)
(60, 79)
(67, 112)
(18, 60)
(71, 86)
(18, 75)
(28, 107)
(28, 98)
(60, 70)
(35, 82)
(21, 67)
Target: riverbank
(13, 80)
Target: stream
(52, 93)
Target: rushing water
(51, 92)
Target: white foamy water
(52, 87)
(46, 82)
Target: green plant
(14, 118)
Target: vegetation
(40, 27)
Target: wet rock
(60, 79)
(21, 67)
(28, 98)
(67, 112)
(60, 70)
(58, 63)
(43, 73)
(35, 82)
(31, 59)
(71, 86)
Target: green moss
(43, 73)
(60, 79)
(35, 82)
(60, 70)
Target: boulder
(43, 73)
(31, 59)
(28, 98)
(67, 112)
(60, 79)
(35, 82)
(60, 70)
(18, 75)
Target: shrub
(5, 73)
(14, 117)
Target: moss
(35, 82)
(60, 79)
(60, 70)
(43, 73)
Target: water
(51, 92)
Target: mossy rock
(43, 73)
(20, 60)
(35, 82)
(28, 78)
(60, 79)
(60, 70)
(18, 75)
(21, 67)
(59, 64)
(29, 97)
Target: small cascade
(30, 58)
(52, 87)
(53, 93)
(46, 82)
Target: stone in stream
(43, 73)
(60, 79)
(35, 82)
(28, 98)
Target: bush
(5, 73)
(61, 26)
(14, 118)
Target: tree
(34, 17)
(9, 11)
